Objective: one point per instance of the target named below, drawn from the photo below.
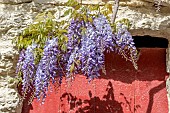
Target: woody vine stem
(116, 7)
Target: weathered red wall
(122, 90)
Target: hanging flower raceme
(104, 31)
(74, 34)
(91, 52)
(125, 44)
(74, 37)
(27, 67)
(47, 68)
(20, 61)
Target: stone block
(14, 1)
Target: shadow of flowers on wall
(94, 104)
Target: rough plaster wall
(15, 15)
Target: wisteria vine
(85, 46)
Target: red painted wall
(122, 90)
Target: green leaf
(61, 31)
(83, 30)
(40, 17)
(77, 62)
(74, 14)
(77, 7)
(109, 7)
(65, 38)
(39, 38)
(67, 12)
(72, 68)
(69, 2)
(72, 3)
(25, 32)
(95, 7)
(84, 17)
(125, 22)
(63, 47)
(90, 19)
(50, 15)
(105, 13)
(39, 50)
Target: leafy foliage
(68, 47)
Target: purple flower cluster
(125, 44)
(27, 66)
(73, 44)
(104, 32)
(91, 52)
(74, 34)
(71, 62)
(97, 38)
(47, 68)
(20, 61)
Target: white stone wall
(15, 15)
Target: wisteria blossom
(27, 66)
(47, 68)
(125, 44)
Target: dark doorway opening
(150, 42)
